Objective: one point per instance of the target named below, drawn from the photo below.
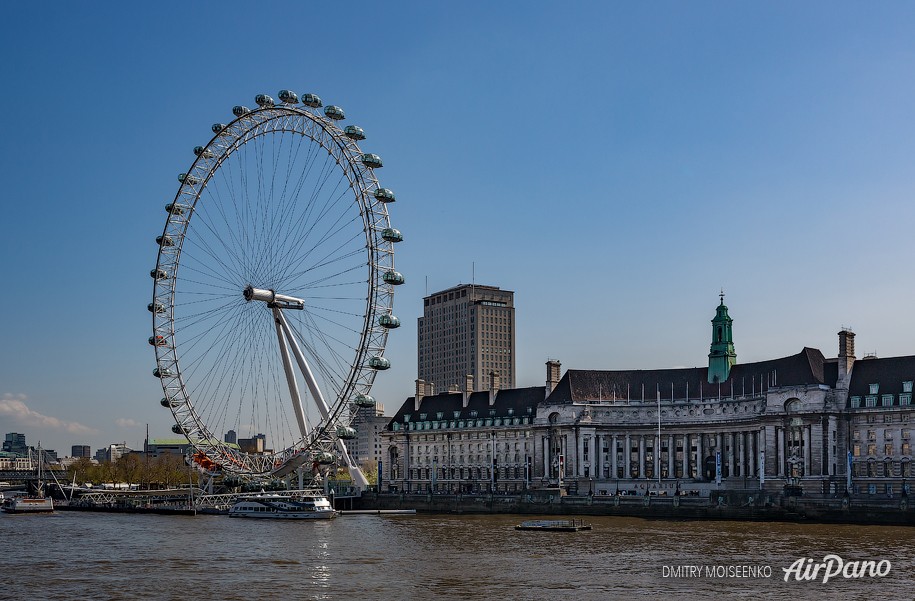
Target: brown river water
(117, 556)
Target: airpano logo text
(833, 566)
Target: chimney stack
(494, 383)
(553, 374)
(468, 389)
(846, 356)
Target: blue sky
(615, 164)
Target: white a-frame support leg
(290, 374)
(359, 480)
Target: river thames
(116, 556)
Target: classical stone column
(685, 460)
(741, 465)
(752, 458)
(780, 437)
(627, 457)
(732, 453)
(613, 456)
(671, 456)
(699, 455)
(642, 456)
(808, 464)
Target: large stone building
(468, 329)
(797, 424)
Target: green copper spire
(722, 355)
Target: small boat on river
(553, 525)
(305, 507)
(37, 503)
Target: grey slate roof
(518, 400)
(889, 373)
(806, 367)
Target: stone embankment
(729, 505)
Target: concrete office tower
(467, 330)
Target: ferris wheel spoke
(331, 350)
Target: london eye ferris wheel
(273, 289)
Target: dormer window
(473, 413)
(874, 388)
(512, 411)
(907, 386)
(422, 417)
(457, 414)
(406, 418)
(492, 413)
(440, 415)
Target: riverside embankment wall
(720, 506)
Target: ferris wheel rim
(379, 293)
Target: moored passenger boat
(305, 507)
(27, 505)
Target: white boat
(305, 507)
(27, 505)
(37, 503)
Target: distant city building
(231, 437)
(257, 444)
(801, 424)
(468, 330)
(15, 443)
(162, 446)
(81, 450)
(112, 452)
(369, 423)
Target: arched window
(719, 333)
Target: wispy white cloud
(13, 407)
(126, 422)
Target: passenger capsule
(218, 128)
(176, 209)
(240, 111)
(354, 132)
(165, 241)
(326, 458)
(177, 429)
(169, 403)
(334, 112)
(157, 340)
(158, 274)
(162, 373)
(187, 178)
(389, 321)
(380, 363)
(372, 160)
(312, 100)
(384, 195)
(263, 100)
(391, 235)
(155, 308)
(203, 152)
(393, 277)
(364, 400)
(289, 97)
(346, 432)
